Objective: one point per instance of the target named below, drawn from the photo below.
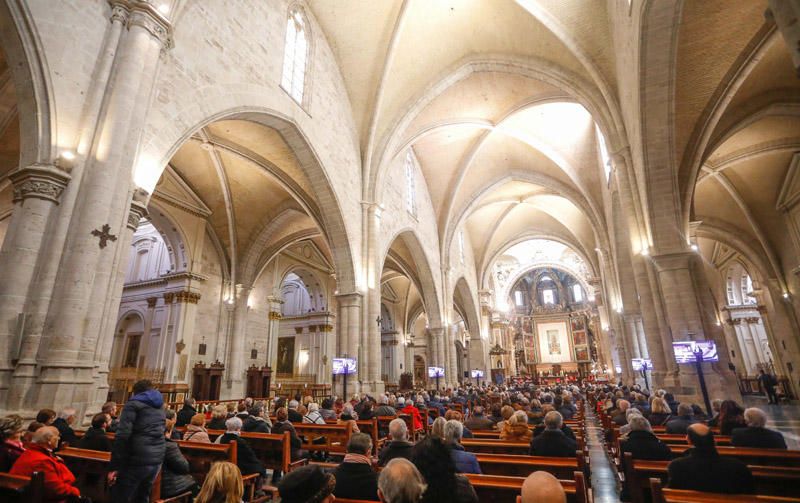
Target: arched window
(604, 157)
(548, 297)
(518, 299)
(411, 187)
(295, 56)
(577, 293)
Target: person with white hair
(246, 458)
(313, 416)
(399, 446)
(756, 433)
(39, 457)
(466, 462)
(294, 415)
(642, 443)
(626, 428)
(64, 423)
(348, 415)
(552, 441)
(400, 482)
(384, 409)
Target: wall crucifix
(104, 235)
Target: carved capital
(151, 302)
(275, 315)
(169, 297)
(187, 297)
(144, 14)
(41, 181)
(137, 212)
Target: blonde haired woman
(223, 484)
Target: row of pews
(504, 464)
(776, 471)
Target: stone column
(236, 355)
(436, 352)
(184, 334)
(452, 363)
(37, 190)
(73, 321)
(273, 330)
(349, 326)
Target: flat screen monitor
(477, 374)
(435, 372)
(636, 363)
(684, 351)
(344, 366)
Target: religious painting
(577, 324)
(553, 344)
(526, 326)
(530, 349)
(286, 355)
(579, 338)
(582, 354)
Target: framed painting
(579, 338)
(285, 355)
(582, 354)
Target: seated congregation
(520, 442)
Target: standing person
(11, 448)
(139, 445)
(187, 412)
(768, 382)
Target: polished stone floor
(604, 477)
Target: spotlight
(694, 247)
(785, 295)
(68, 155)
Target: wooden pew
(201, 456)
(769, 480)
(336, 436)
(485, 446)
(502, 489)
(21, 489)
(370, 427)
(665, 495)
(522, 466)
(274, 450)
(751, 456)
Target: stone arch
(318, 296)
(469, 307)
(119, 346)
(35, 107)
(330, 215)
(173, 234)
(425, 282)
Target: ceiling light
(785, 295)
(68, 155)
(645, 251)
(694, 247)
(163, 8)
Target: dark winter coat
(716, 474)
(395, 449)
(175, 475)
(553, 443)
(95, 439)
(760, 438)
(356, 481)
(246, 459)
(185, 415)
(645, 445)
(139, 439)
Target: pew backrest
(505, 489)
(22, 489)
(665, 495)
(522, 466)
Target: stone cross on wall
(104, 235)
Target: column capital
(352, 299)
(672, 261)
(41, 181)
(145, 14)
(436, 331)
(187, 297)
(151, 302)
(137, 212)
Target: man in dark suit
(186, 413)
(355, 478)
(756, 434)
(478, 421)
(680, 424)
(702, 468)
(552, 441)
(642, 444)
(399, 447)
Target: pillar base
(372, 387)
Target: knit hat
(309, 484)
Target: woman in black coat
(175, 476)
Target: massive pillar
(236, 356)
(273, 329)
(37, 190)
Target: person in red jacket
(412, 411)
(39, 457)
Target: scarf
(352, 457)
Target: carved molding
(187, 297)
(275, 315)
(151, 302)
(169, 297)
(41, 181)
(143, 13)
(137, 212)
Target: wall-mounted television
(435, 372)
(476, 374)
(684, 351)
(636, 363)
(344, 366)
